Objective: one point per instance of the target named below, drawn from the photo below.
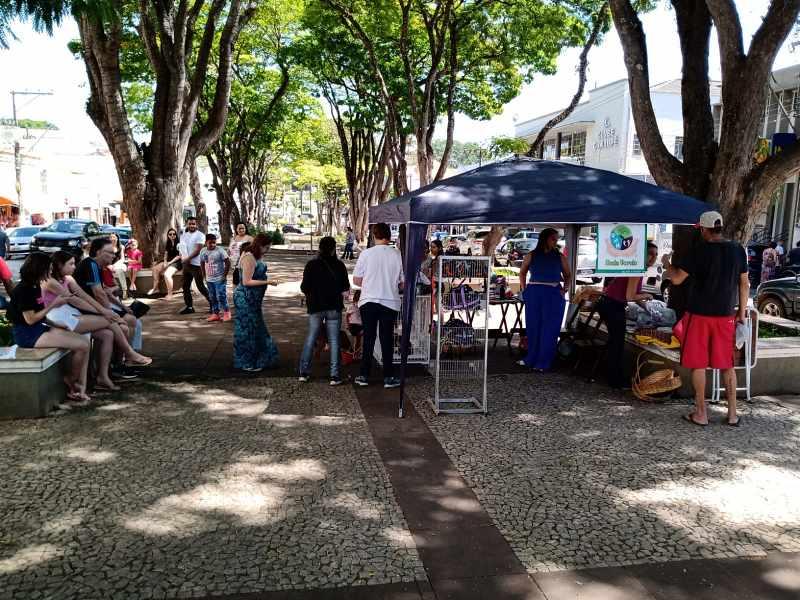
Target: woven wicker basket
(658, 382)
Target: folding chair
(750, 360)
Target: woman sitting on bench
(28, 316)
(90, 317)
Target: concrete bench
(32, 383)
(144, 281)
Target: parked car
(123, 233)
(511, 252)
(19, 240)
(525, 234)
(70, 235)
(290, 229)
(779, 297)
(473, 242)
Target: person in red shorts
(5, 279)
(719, 285)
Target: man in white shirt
(379, 273)
(192, 242)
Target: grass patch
(767, 331)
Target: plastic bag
(741, 335)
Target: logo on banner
(621, 238)
(621, 248)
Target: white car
(473, 242)
(19, 240)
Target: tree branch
(729, 34)
(699, 145)
(215, 123)
(665, 168)
(600, 20)
(778, 22)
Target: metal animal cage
(420, 348)
(461, 329)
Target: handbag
(139, 309)
(64, 317)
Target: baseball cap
(710, 219)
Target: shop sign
(621, 248)
(607, 137)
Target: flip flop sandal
(737, 424)
(105, 388)
(146, 363)
(691, 420)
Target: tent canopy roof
(524, 190)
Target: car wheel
(772, 307)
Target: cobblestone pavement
(192, 489)
(576, 477)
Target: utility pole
(18, 152)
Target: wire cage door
(461, 343)
(420, 341)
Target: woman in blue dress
(544, 300)
(253, 347)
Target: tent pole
(572, 234)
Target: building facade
(601, 133)
(56, 177)
(781, 220)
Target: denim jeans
(333, 323)
(218, 296)
(377, 317)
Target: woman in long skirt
(543, 295)
(253, 347)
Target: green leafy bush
(6, 339)
(277, 238)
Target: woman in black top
(28, 315)
(169, 266)
(325, 281)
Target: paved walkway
(198, 482)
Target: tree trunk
(154, 192)
(491, 240)
(196, 191)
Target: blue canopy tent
(521, 191)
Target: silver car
(19, 240)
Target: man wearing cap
(719, 284)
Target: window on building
(637, 147)
(550, 149)
(566, 145)
(73, 213)
(679, 147)
(786, 122)
(43, 180)
(717, 113)
(579, 147)
(771, 115)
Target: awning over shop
(7, 201)
(523, 190)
